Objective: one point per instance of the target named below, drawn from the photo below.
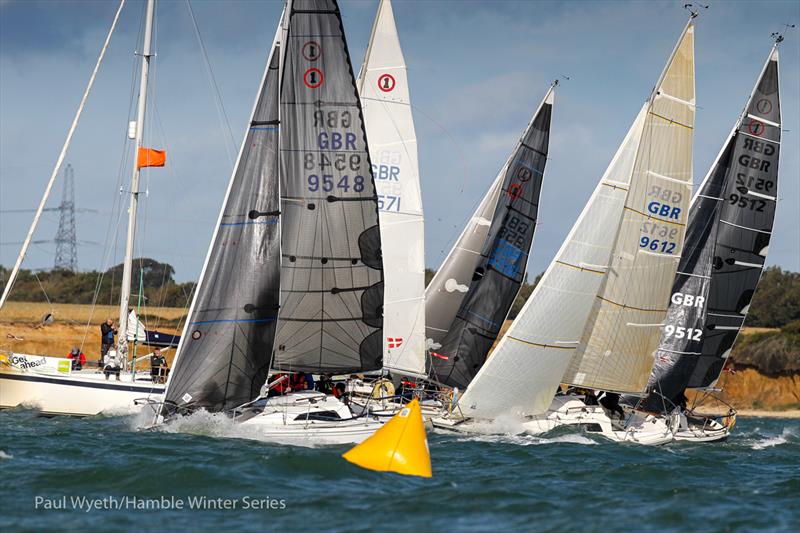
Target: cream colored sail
(618, 345)
(383, 87)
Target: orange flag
(151, 158)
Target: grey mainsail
(330, 318)
(227, 342)
(501, 267)
(730, 224)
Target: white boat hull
(711, 430)
(571, 411)
(81, 393)
(297, 418)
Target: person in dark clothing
(325, 384)
(158, 367)
(107, 332)
(610, 401)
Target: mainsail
(383, 86)
(730, 224)
(530, 360)
(617, 347)
(227, 341)
(499, 270)
(331, 300)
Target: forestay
(383, 86)
(617, 348)
(501, 266)
(227, 341)
(730, 225)
(330, 317)
(529, 361)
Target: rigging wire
(225, 124)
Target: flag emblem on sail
(394, 342)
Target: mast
(15, 271)
(127, 265)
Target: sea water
(103, 473)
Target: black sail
(330, 318)
(501, 269)
(224, 357)
(730, 225)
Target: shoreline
(755, 413)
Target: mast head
(777, 36)
(694, 9)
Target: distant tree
(777, 299)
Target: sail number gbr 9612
(334, 165)
(655, 236)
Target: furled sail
(616, 350)
(330, 318)
(383, 86)
(529, 361)
(730, 224)
(500, 269)
(227, 341)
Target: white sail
(616, 352)
(383, 87)
(525, 368)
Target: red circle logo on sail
(764, 106)
(313, 78)
(311, 51)
(386, 83)
(756, 127)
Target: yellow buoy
(399, 446)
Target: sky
(477, 71)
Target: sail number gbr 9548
(335, 166)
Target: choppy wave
(777, 440)
(4, 455)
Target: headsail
(617, 347)
(383, 86)
(730, 224)
(501, 265)
(227, 341)
(330, 317)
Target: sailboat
(48, 383)
(470, 296)
(594, 318)
(730, 226)
(293, 279)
